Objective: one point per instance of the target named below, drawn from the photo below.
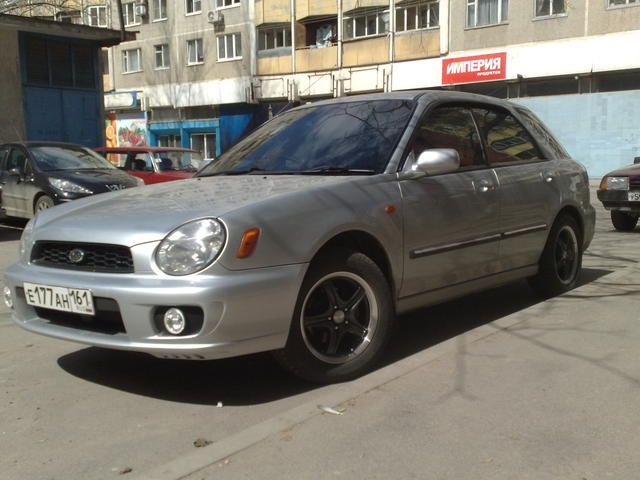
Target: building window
(547, 8)
(367, 24)
(131, 60)
(417, 16)
(169, 141)
(195, 52)
(486, 12)
(271, 38)
(205, 143)
(159, 10)
(227, 3)
(619, 3)
(321, 34)
(193, 6)
(96, 16)
(162, 56)
(130, 15)
(229, 47)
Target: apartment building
(188, 77)
(574, 62)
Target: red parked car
(154, 164)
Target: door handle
(485, 186)
(547, 177)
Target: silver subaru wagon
(312, 234)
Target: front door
(451, 221)
(16, 177)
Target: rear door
(451, 221)
(528, 186)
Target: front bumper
(618, 200)
(245, 311)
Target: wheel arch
(37, 197)
(573, 212)
(362, 242)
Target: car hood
(175, 175)
(147, 214)
(96, 180)
(626, 171)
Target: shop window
(614, 82)
(172, 141)
(366, 24)
(85, 75)
(486, 12)
(37, 59)
(205, 143)
(417, 16)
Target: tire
(342, 320)
(622, 221)
(561, 260)
(42, 203)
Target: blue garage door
(61, 90)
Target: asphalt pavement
(495, 385)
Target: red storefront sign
(479, 68)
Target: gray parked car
(312, 234)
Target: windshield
(356, 137)
(177, 161)
(52, 158)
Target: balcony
(272, 11)
(307, 9)
(366, 51)
(274, 65)
(417, 44)
(316, 59)
(348, 5)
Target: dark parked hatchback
(38, 175)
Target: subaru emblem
(76, 256)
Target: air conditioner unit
(214, 16)
(141, 9)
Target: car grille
(96, 257)
(634, 182)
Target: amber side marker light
(248, 243)
(603, 184)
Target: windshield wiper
(233, 172)
(337, 171)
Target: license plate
(75, 300)
(634, 196)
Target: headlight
(25, 241)
(191, 247)
(65, 186)
(615, 183)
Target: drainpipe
(293, 36)
(445, 15)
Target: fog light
(8, 299)
(174, 321)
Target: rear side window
(506, 140)
(543, 133)
(450, 127)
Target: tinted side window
(17, 159)
(543, 133)
(450, 127)
(505, 138)
(3, 153)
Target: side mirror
(437, 161)
(636, 160)
(14, 172)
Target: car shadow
(257, 379)
(11, 228)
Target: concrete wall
(311, 8)
(604, 19)
(600, 130)
(176, 30)
(274, 65)
(12, 118)
(367, 51)
(272, 11)
(418, 44)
